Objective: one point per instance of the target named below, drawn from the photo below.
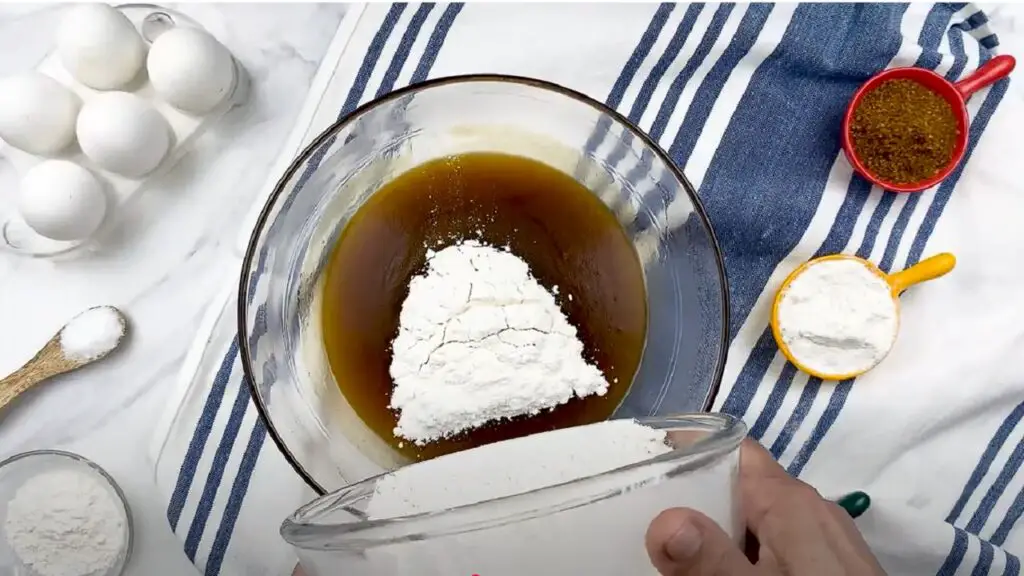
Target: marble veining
(169, 253)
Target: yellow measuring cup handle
(927, 269)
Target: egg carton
(150, 20)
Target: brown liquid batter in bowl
(569, 238)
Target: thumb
(684, 542)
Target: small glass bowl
(19, 469)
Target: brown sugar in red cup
(954, 94)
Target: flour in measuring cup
(480, 340)
(514, 466)
(838, 317)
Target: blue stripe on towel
(995, 491)
(985, 462)
(875, 224)
(436, 41)
(652, 81)
(774, 402)
(990, 42)
(258, 435)
(828, 418)
(217, 469)
(1012, 566)
(956, 47)
(200, 436)
(796, 418)
(643, 48)
(626, 76)
(986, 555)
(709, 90)
(675, 90)
(976, 20)
(1009, 521)
(984, 560)
(660, 67)
(387, 84)
(668, 107)
(956, 554)
(237, 496)
(754, 155)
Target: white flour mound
(513, 467)
(65, 523)
(838, 317)
(480, 340)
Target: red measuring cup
(956, 94)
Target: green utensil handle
(855, 503)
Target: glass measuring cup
(955, 94)
(925, 270)
(592, 525)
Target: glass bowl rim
(322, 139)
(129, 525)
(726, 433)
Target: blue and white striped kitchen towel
(748, 100)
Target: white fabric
(933, 434)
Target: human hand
(796, 532)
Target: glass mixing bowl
(593, 525)
(279, 294)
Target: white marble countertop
(174, 245)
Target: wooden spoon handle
(47, 363)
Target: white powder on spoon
(479, 341)
(513, 467)
(92, 333)
(838, 317)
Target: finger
(756, 462)
(683, 542)
(762, 481)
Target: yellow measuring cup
(925, 270)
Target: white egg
(190, 69)
(123, 133)
(37, 113)
(99, 46)
(61, 200)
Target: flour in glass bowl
(479, 341)
(514, 466)
(65, 523)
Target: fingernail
(855, 503)
(685, 543)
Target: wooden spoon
(88, 337)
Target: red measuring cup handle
(995, 69)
